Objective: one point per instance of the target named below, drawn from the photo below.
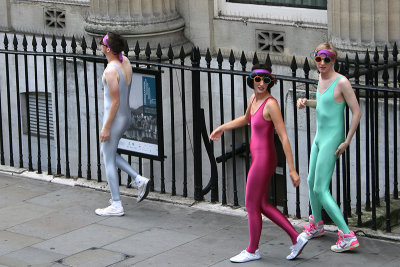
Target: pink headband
(261, 71)
(105, 42)
(326, 53)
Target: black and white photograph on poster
(142, 137)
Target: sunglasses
(266, 79)
(326, 56)
(101, 41)
(327, 60)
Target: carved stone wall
(355, 25)
(4, 15)
(156, 22)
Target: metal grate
(269, 41)
(42, 114)
(55, 18)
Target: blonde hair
(327, 46)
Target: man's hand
(301, 103)
(104, 134)
(341, 148)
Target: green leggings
(330, 134)
(322, 164)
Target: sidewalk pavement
(48, 224)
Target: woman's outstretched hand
(295, 178)
(216, 134)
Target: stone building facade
(281, 29)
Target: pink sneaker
(313, 230)
(345, 242)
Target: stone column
(153, 21)
(5, 15)
(355, 25)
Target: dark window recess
(33, 120)
(55, 18)
(271, 42)
(313, 4)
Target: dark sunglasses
(101, 42)
(327, 60)
(266, 79)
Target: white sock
(138, 180)
(117, 204)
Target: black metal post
(78, 108)
(25, 46)
(197, 159)
(232, 78)
(46, 92)
(56, 108)
(10, 134)
(21, 158)
(293, 67)
(221, 110)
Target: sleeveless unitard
(121, 122)
(329, 135)
(263, 164)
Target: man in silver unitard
(117, 78)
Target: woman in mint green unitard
(333, 93)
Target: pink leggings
(258, 182)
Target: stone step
(366, 216)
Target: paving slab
(62, 198)
(93, 258)
(200, 223)
(17, 194)
(8, 180)
(30, 257)
(150, 243)
(84, 238)
(21, 212)
(11, 241)
(53, 224)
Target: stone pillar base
(154, 22)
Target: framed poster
(144, 137)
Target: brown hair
(116, 42)
(327, 46)
(250, 81)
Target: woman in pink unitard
(264, 115)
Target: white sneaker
(245, 256)
(297, 248)
(345, 242)
(112, 210)
(312, 229)
(142, 184)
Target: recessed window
(270, 41)
(33, 119)
(55, 18)
(315, 4)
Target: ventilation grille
(55, 18)
(271, 42)
(42, 114)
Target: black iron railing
(198, 96)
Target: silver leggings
(112, 159)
